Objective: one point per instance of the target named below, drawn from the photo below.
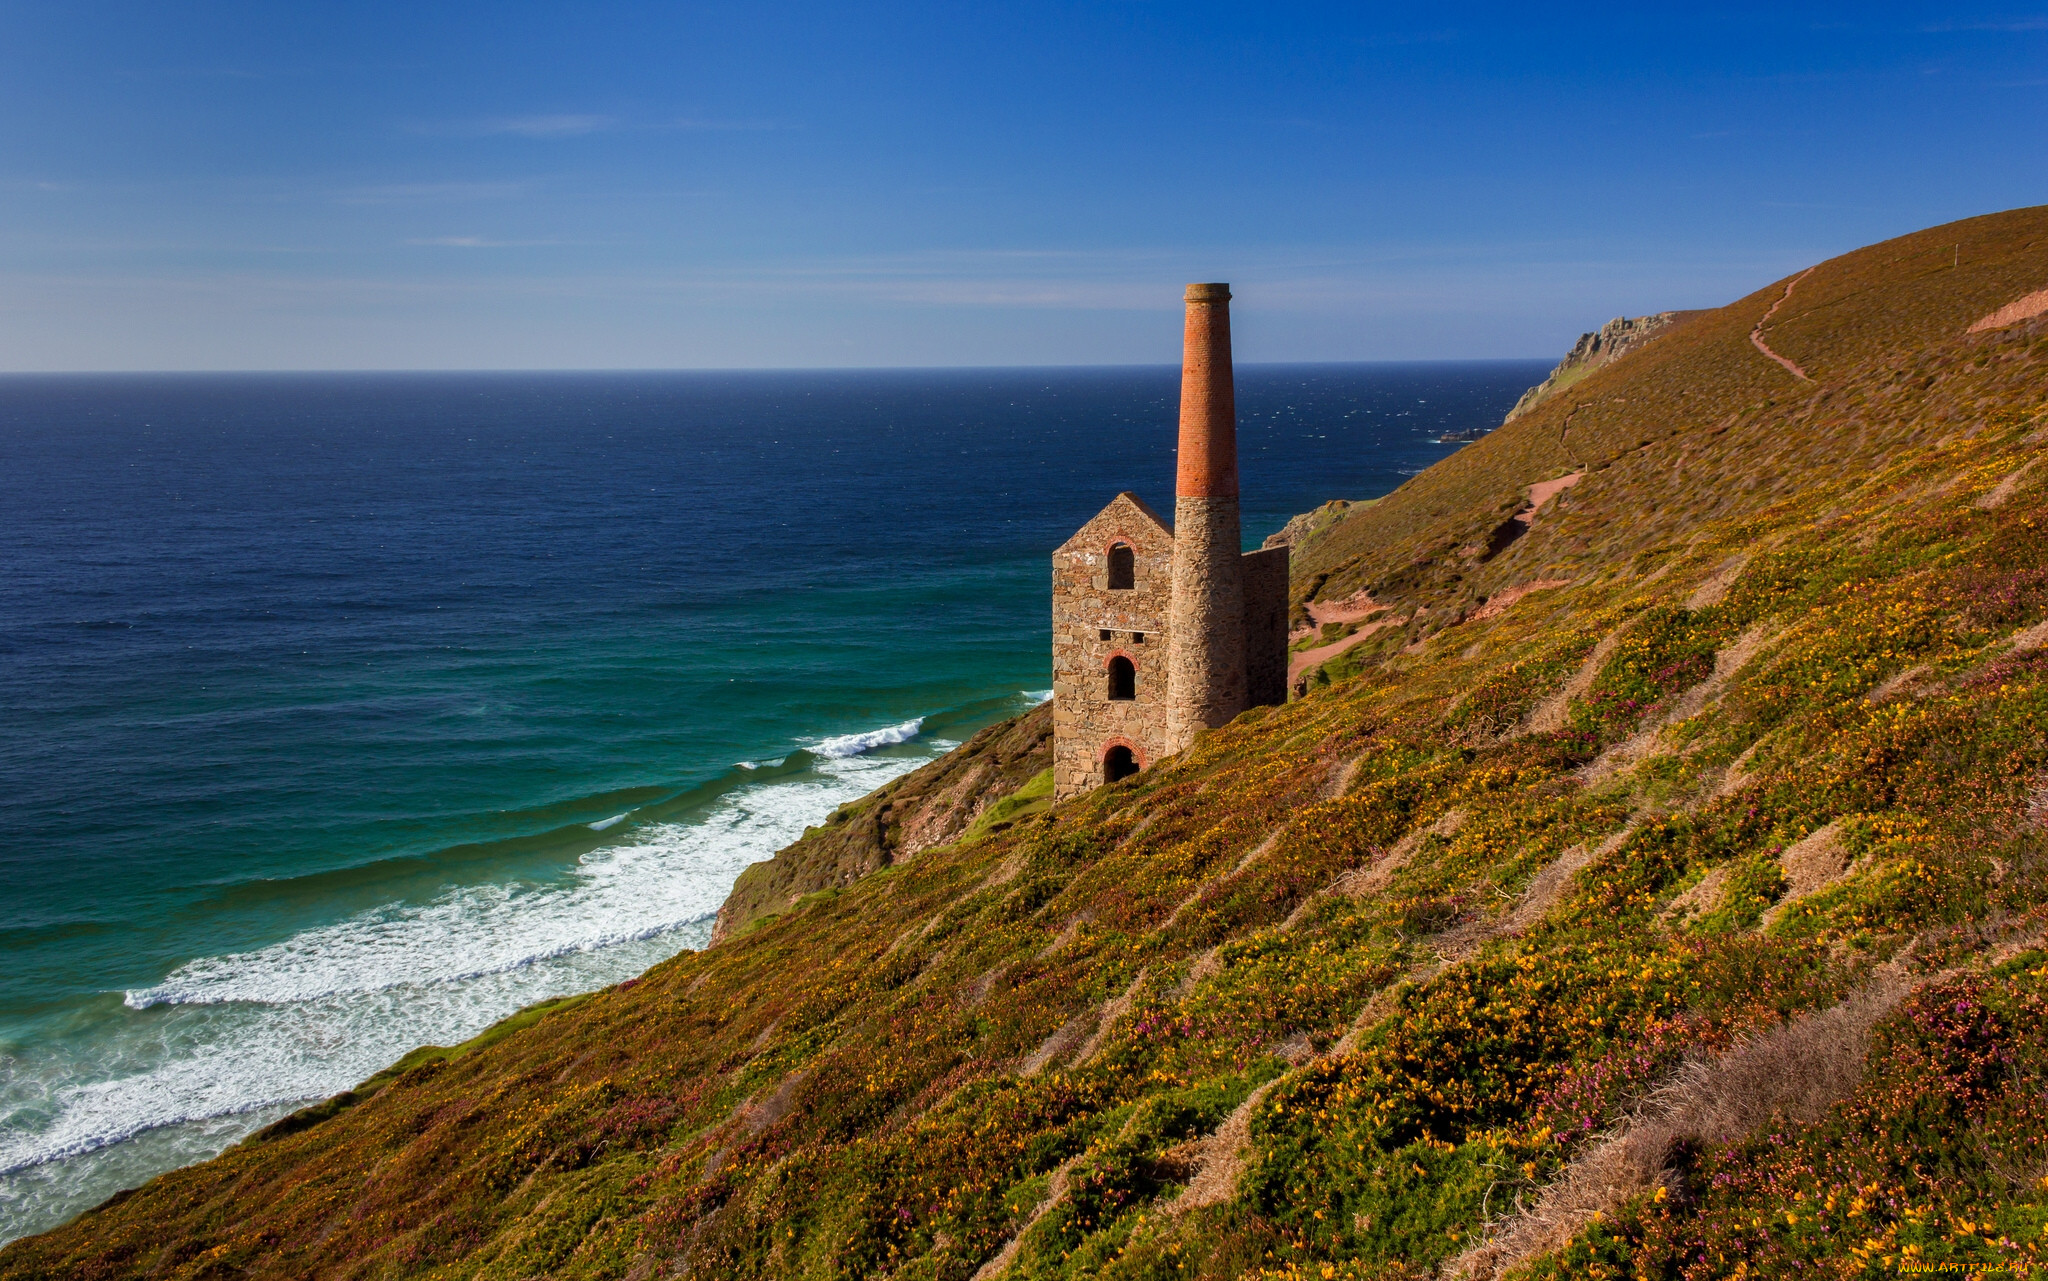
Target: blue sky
(362, 185)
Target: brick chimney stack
(1205, 649)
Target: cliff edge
(933, 804)
(1602, 347)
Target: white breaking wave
(1038, 696)
(854, 744)
(603, 823)
(246, 1034)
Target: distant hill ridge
(1654, 885)
(1700, 390)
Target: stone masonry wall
(1265, 627)
(1086, 722)
(1207, 686)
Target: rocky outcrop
(931, 805)
(1613, 340)
(1298, 533)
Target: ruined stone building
(1159, 633)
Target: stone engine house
(1159, 633)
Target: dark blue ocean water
(341, 714)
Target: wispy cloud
(545, 125)
(206, 73)
(406, 193)
(477, 242)
(582, 124)
(1815, 204)
(556, 126)
(696, 125)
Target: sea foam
(854, 744)
(225, 1042)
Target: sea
(346, 713)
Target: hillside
(933, 804)
(1661, 893)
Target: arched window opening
(1118, 763)
(1123, 679)
(1123, 568)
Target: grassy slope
(1352, 977)
(1700, 398)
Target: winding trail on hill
(1540, 493)
(1363, 606)
(1756, 335)
(1351, 609)
(1564, 431)
(1308, 658)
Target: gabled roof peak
(1123, 510)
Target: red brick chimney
(1205, 640)
(1208, 398)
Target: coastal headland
(1650, 879)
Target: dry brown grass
(1551, 882)
(1340, 782)
(1737, 775)
(1704, 896)
(1005, 872)
(1207, 965)
(2005, 489)
(856, 1015)
(1004, 1257)
(2034, 304)
(2027, 640)
(1548, 716)
(1220, 1158)
(1067, 1038)
(1371, 879)
(1068, 933)
(1795, 1071)
(1814, 862)
(1898, 685)
(1727, 662)
(1115, 1009)
(1715, 588)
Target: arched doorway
(1118, 763)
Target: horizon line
(745, 369)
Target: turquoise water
(343, 714)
